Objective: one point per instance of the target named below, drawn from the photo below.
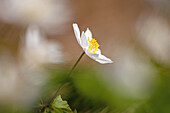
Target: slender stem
(52, 100)
(61, 86)
(76, 63)
(56, 94)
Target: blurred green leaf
(159, 101)
(58, 106)
(59, 103)
(91, 83)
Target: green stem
(61, 86)
(76, 63)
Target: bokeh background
(38, 48)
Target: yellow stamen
(93, 45)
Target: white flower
(154, 35)
(48, 14)
(89, 45)
(19, 85)
(38, 50)
(132, 74)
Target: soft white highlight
(154, 35)
(132, 75)
(48, 14)
(37, 50)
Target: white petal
(98, 57)
(76, 32)
(103, 60)
(98, 51)
(88, 33)
(84, 40)
(91, 55)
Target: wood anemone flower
(90, 45)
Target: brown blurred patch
(111, 21)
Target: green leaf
(59, 103)
(60, 106)
(50, 111)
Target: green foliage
(59, 106)
(159, 101)
(59, 103)
(89, 92)
(91, 84)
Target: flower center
(93, 45)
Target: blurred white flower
(37, 50)
(8, 76)
(90, 45)
(48, 14)
(154, 35)
(132, 74)
(18, 86)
